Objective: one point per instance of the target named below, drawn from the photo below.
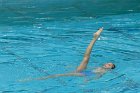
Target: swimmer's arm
(98, 76)
(52, 76)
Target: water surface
(35, 45)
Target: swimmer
(80, 71)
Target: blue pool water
(35, 42)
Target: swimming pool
(34, 43)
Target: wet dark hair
(113, 66)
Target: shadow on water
(30, 12)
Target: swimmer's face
(109, 66)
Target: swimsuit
(87, 73)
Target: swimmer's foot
(97, 34)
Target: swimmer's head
(109, 66)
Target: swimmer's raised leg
(85, 60)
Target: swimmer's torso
(98, 70)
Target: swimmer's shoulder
(99, 70)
